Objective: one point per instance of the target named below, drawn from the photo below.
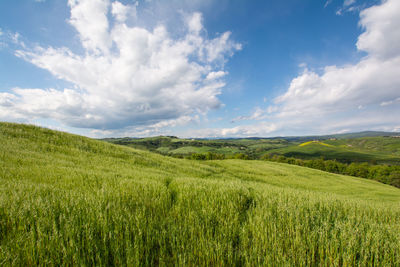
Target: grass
(187, 150)
(71, 200)
(191, 149)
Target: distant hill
(377, 147)
(337, 136)
(71, 200)
(309, 137)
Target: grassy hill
(347, 148)
(71, 200)
(174, 146)
(377, 150)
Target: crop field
(315, 142)
(71, 200)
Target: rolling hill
(71, 200)
(381, 150)
(347, 148)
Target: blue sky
(201, 68)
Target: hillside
(346, 148)
(71, 200)
(384, 150)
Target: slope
(70, 200)
(384, 150)
(353, 148)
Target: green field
(71, 200)
(370, 155)
(384, 150)
(351, 148)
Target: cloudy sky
(201, 68)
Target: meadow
(71, 200)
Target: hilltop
(72, 200)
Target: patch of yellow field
(315, 142)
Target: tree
(198, 156)
(395, 178)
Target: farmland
(375, 147)
(371, 155)
(71, 200)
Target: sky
(201, 68)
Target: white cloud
(338, 92)
(327, 3)
(258, 114)
(215, 75)
(16, 39)
(194, 23)
(355, 97)
(349, 6)
(89, 18)
(381, 38)
(259, 129)
(390, 102)
(348, 2)
(159, 128)
(217, 49)
(122, 12)
(128, 75)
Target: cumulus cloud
(128, 76)
(122, 12)
(160, 128)
(381, 38)
(215, 75)
(373, 83)
(89, 18)
(354, 97)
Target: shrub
(198, 156)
